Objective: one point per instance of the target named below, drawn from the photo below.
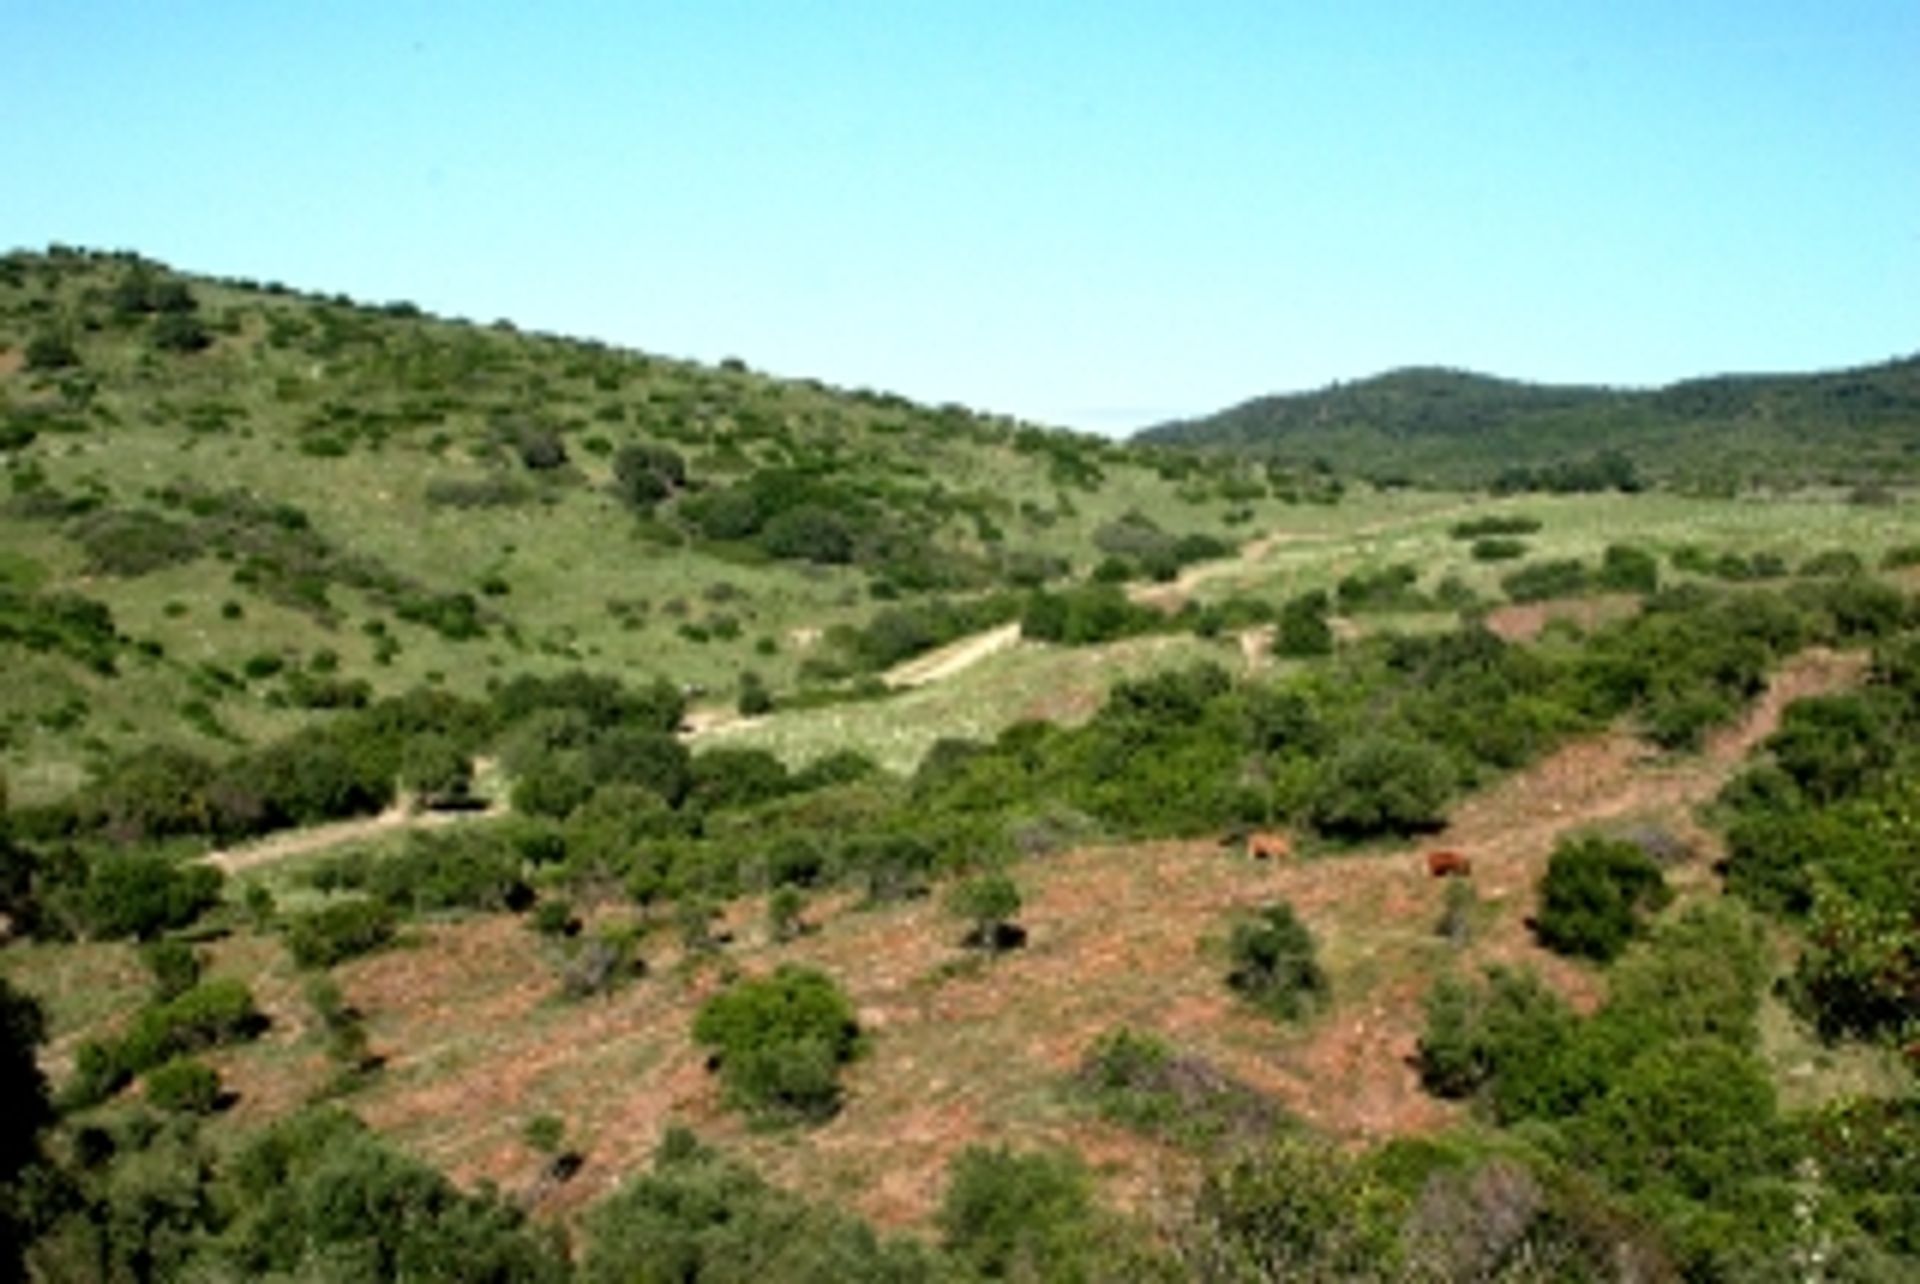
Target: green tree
(1012, 1216)
(1275, 963)
(1594, 896)
(1381, 784)
(780, 1041)
(988, 903)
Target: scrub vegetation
(487, 806)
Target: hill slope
(1859, 425)
(227, 503)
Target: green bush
(1594, 896)
(1303, 631)
(1497, 549)
(779, 1041)
(319, 1196)
(1275, 963)
(1626, 569)
(184, 1086)
(1011, 1216)
(1379, 784)
(343, 930)
(143, 894)
(697, 1216)
(988, 903)
(211, 1014)
(175, 966)
(1539, 581)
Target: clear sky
(1091, 214)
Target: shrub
(1382, 785)
(209, 1015)
(1303, 630)
(1497, 549)
(143, 894)
(988, 903)
(1137, 1080)
(1494, 524)
(175, 966)
(1011, 1216)
(1593, 896)
(1275, 963)
(435, 769)
(340, 931)
(779, 1041)
(184, 1086)
(697, 1216)
(1538, 581)
(50, 350)
(1626, 569)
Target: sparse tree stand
(989, 902)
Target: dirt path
(944, 663)
(1174, 594)
(303, 842)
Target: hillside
(1859, 426)
(477, 805)
(228, 503)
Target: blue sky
(1097, 215)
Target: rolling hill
(1858, 426)
(481, 805)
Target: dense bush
(340, 931)
(1303, 631)
(697, 1216)
(1538, 581)
(142, 894)
(1275, 963)
(185, 1086)
(1594, 896)
(1011, 1216)
(779, 1042)
(1382, 785)
(318, 1195)
(987, 903)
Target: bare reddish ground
(1523, 621)
(963, 1052)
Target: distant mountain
(1455, 427)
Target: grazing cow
(1268, 846)
(1448, 865)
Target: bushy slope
(227, 504)
(1860, 425)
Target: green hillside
(485, 806)
(227, 503)
(1859, 426)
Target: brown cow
(1269, 846)
(1448, 865)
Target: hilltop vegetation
(1857, 427)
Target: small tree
(783, 913)
(438, 774)
(184, 1086)
(1303, 629)
(779, 1041)
(1014, 1216)
(1594, 896)
(50, 350)
(1275, 963)
(988, 902)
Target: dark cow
(1448, 865)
